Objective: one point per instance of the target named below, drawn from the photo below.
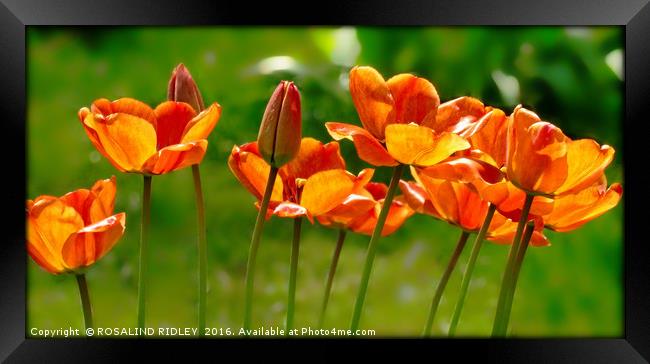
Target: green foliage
(567, 75)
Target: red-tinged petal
(126, 141)
(362, 179)
(102, 203)
(313, 156)
(415, 99)
(465, 170)
(172, 118)
(325, 190)
(352, 207)
(88, 245)
(252, 171)
(398, 212)
(201, 126)
(586, 163)
(175, 157)
(372, 99)
(421, 146)
(458, 115)
(125, 105)
(368, 147)
(416, 197)
(77, 199)
(377, 190)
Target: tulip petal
(124, 105)
(325, 190)
(292, 210)
(77, 199)
(490, 136)
(175, 157)
(372, 99)
(368, 147)
(417, 199)
(421, 146)
(415, 99)
(201, 126)
(586, 162)
(398, 212)
(103, 202)
(252, 171)
(88, 245)
(458, 115)
(172, 118)
(574, 210)
(126, 141)
(313, 156)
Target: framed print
(441, 177)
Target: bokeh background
(570, 76)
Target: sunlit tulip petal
(418, 145)
(172, 118)
(325, 190)
(314, 156)
(252, 171)
(125, 106)
(458, 115)
(175, 157)
(372, 99)
(92, 242)
(103, 200)
(398, 212)
(416, 197)
(415, 99)
(490, 136)
(201, 125)
(368, 147)
(586, 162)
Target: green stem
(372, 247)
(295, 251)
(202, 248)
(85, 300)
(521, 252)
(462, 240)
(144, 237)
(255, 242)
(467, 276)
(330, 276)
(500, 321)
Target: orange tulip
(136, 138)
(397, 117)
(71, 232)
(460, 205)
(312, 184)
(542, 160)
(574, 210)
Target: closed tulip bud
(182, 88)
(280, 132)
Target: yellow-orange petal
(89, 244)
(126, 141)
(325, 190)
(201, 126)
(415, 99)
(458, 115)
(77, 199)
(171, 119)
(252, 171)
(352, 207)
(124, 105)
(372, 99)
(103, 202)
(313, 156)
(398, 212)
(421, 146)
(574, 210)
(175, 157)
(586, 163)
(490, 136)
(368, 147)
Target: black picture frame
(633, 15)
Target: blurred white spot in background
(209, 57)
(344, 80)
(406, 293)
(94, 156)
(346, 46)
(578, 32)
(277, 63)
(508, 86)
(614, 60)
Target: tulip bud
(280, 132)
(182, 88)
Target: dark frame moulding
(633, 15)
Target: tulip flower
(70, 233)
(278, 142)
(182, 88)
(279, 135)
(541, 160)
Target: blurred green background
(570, 76)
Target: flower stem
(85, 300)
(295, 250)
(516, 268)
(202, 248)
(372, 247)
(144, 237)
(501, 320)
(330, 276)
(467, 276)
(462, 240)
(255, 242)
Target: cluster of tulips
(502, 177)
